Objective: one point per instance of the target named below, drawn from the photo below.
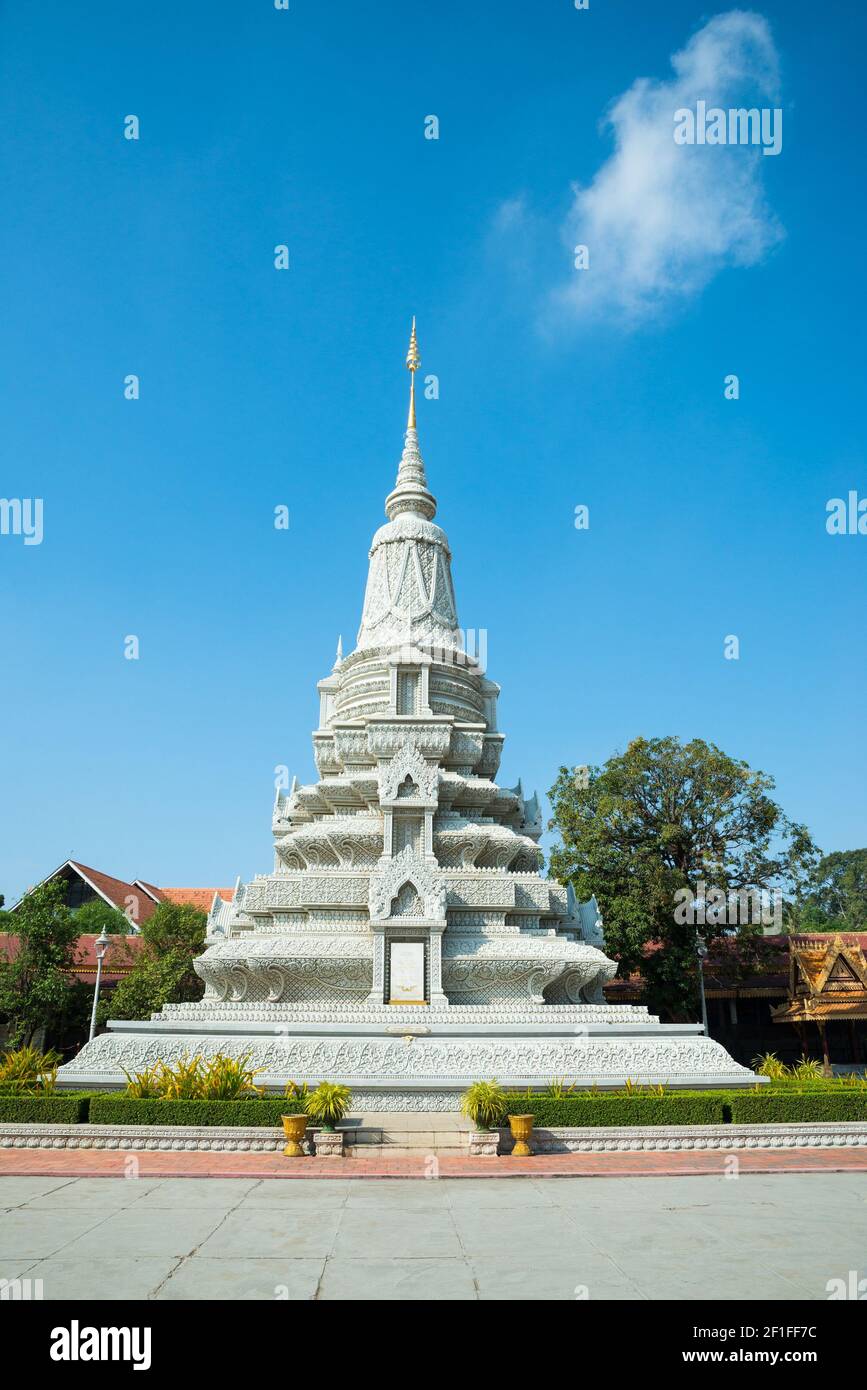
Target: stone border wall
(589, 1139)
(660, 1138)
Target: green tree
(835, 898)
(162, 972)
(36, 985)
(652, 826)
(96, 916)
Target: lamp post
(100, 946)
(701, 951)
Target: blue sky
(262, 387)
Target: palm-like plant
(183, 1081)
(220, 1078)
(558, 1090)
(229, 1078)
(769, 1064)
(808, 1071)
(28, 1069)
(485, 1104)
(851, 1078)
(144, 1085)
(328, 1104)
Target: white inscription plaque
(407, 972)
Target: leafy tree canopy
(96, 916)
(836, 895)
(36, 986)
(662, 818)
(163, 971)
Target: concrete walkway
(759, 1236)
(202, 1164)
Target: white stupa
(405, 942)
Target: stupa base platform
(402, 1059)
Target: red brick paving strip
(101, 1163)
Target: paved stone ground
(97, 1163)
(765, 1236)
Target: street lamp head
(100, 946)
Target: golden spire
(413, 362)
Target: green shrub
(804, 1073)
(194, 1078)
(622, 1108)
(769, 1064)
(28, 1069)
(485, 1103)
(790, 1106)
(808, 1071)
(118, 1109)
(66, 1108)
(328, 1104)
(849, 1082)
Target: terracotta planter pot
(294, 1127)
(521, 1127)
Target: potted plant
(326, 1107)
(485, 1104)
(294, 1126)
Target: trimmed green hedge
(834, 1088)
(68, 1108)
(616, 1108)
(118, 1109)
(768, 1105)
(797, 1107)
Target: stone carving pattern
(434, 1059)
(409, 762)
(406, 867)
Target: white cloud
(661, 219)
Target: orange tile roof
(811, 1010)
(118, 892)
(197, 897)
(139, 899)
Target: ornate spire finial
(410, 492)
(413, 362)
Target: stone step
(400, 1133)
(418, 1139)
(437, 1120)
(368, 1151)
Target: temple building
(827, 987)
(405, 942)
